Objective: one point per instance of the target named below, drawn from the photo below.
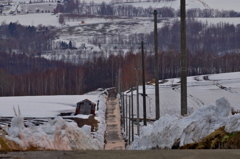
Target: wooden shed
(85, 107)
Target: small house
(85, 107)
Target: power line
(165, 4)
(171, 4)
(157, 4)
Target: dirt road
(114, 139)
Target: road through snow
(114, 139)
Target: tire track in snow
(216, 83)
(198, 101)
(228, 89)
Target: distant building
(85, 107)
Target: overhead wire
(165, 4)
(171, 4)
(161, 1)
(157, 4)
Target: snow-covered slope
(202, 4)
(32, 19)
(42, 106)
(221, 4)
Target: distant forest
(22, 75)
(212, 48)
(81, 7)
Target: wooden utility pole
(156, 66)
(183, 59)
(126, 114)
(138, 127)
(132, 114)
(119, 81)
(112, 75)
(123, 111)
(144, 90)
(129, 122)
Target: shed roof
(87, 101)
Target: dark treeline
(66, 79)
(22, 75)
(81, 7)
(218, 38)
(15, 38)
(21, 63)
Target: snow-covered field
(32, 19)
(42, 106)
(202, 4)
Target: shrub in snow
(172, 130)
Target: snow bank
(233, 124)
(174, 130)
(57, 134)
(100, 116)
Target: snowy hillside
(219, 4)
(42, 106)
(98, 34)
(202, 90)
(202, 4)
(32, 19)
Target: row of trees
(81, 7)
(66, 78)
(217, 38)
(22, 75)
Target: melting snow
(172, 130)
(57, 134)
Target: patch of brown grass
(212, 141)
(8, 145)
(217, 139)
(233, 141)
